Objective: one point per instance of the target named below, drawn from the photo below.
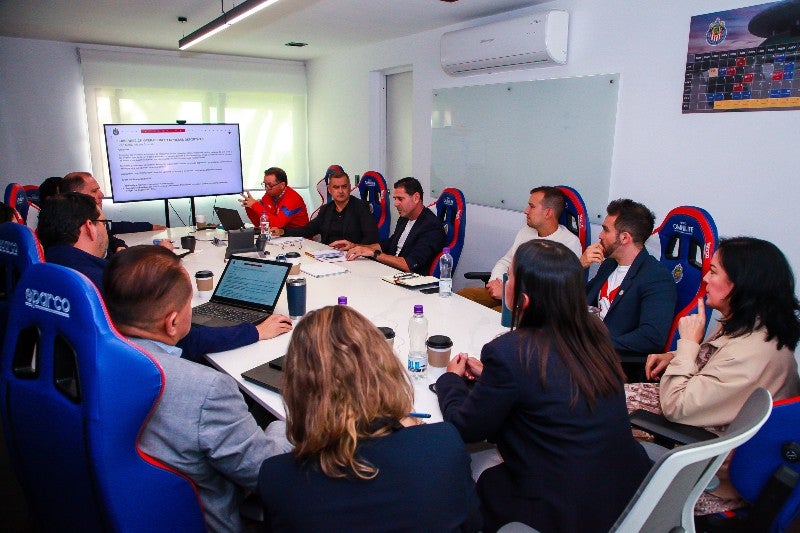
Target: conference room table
(468, 324)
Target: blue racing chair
(373, 191)
(74, 396)
(575, 217)
(451, 208)
(16, 198)
(688, 239)
(765, 470)
(19, 249)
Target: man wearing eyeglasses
(72, 229)
(283, 205)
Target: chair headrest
(688, 238)
(575, 217)
(19, 246)
(18, 199)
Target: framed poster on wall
(744, 59)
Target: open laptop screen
(252, 281)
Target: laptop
(268, 375)
(247, 292)
(229, 218)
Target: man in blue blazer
(417, 239)
(635, 293)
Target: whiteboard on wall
(497, 142)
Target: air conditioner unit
(539, 39)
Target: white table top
(468, 324)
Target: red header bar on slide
(166, 130)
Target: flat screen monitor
(163, 161)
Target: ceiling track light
(229, 18)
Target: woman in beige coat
(706, 383)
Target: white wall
(739, 166)
(43, 128)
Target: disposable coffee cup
(439, 347)
(294, 259)
(200, 221)
(388, 334)
(204, 280)
(188, 242)
(296, 296)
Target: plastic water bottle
(342, 300)
(446, 274)
(417, 351)
(265, 226)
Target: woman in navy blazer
(550, 394)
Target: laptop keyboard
(227, 312)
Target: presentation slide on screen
(151, 162)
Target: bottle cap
(417, 309)
(446, 250)
(342, 300)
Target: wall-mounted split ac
(539, 39)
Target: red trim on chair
(147, 458)
(707, 234)
(708, 251)
(381, 181)
(576, 200)
(786, 401)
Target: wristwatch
(376, 253)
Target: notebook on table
(247, 292)
(268, 375)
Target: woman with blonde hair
(360, 462)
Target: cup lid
(387, 332)
(440, 342)
(204, 274)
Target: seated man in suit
(283, 205)
(545, 206)
(200, 426)
(72, 230)
(635, 293)
(344, 217)
(84, 183)
(417, 238)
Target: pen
(420, 415)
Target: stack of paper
(319, 269)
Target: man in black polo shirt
(344, 218)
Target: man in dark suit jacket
(417, 239)
(635, 293)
